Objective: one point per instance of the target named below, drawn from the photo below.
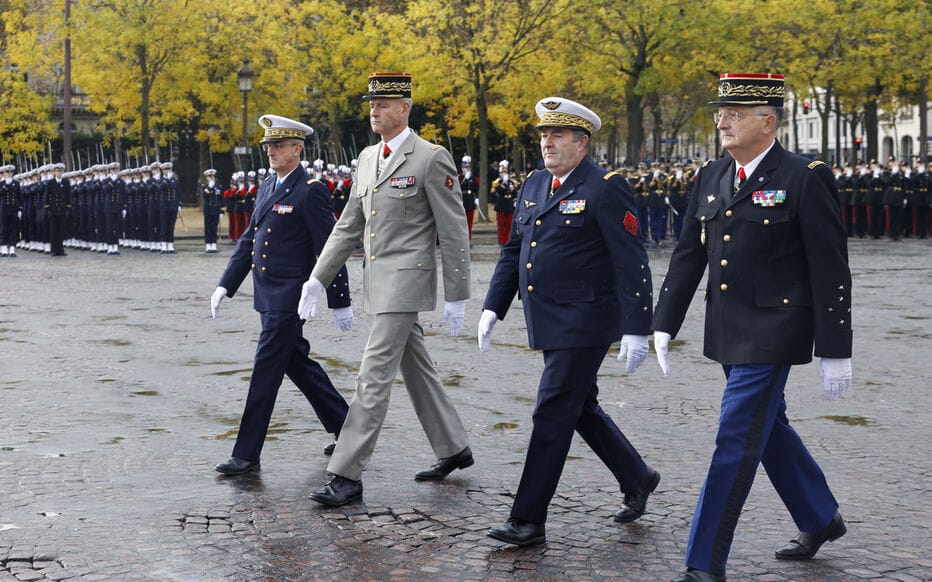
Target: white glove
(455, 313)
(19, 215)
(477, 202)
(343, 318)
(486, 323)
(124, 213)
(310, 295)
(215, 299)
(179, 209)
(662, 346)
(634, 349)
(836, 377)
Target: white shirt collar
(751, 166)
(395, 142)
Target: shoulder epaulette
(609, 175)
(436, 146)
(816, 164)
(529, 174)
(706, 163)
(312, 180)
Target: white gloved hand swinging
(454, 312)
(487, 322)
(836, 377)
(310, 296)
(633, 351)
(343, 318)
(662, 346)
(215, 299)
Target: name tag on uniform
(402, 182)
(572, 206)
(768, 197)
(283, 208)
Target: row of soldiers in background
(239, 199)
(892, 200)
(98, 209)
(661, 197)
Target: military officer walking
(766, 225)
(292, 221)
(582, 273)
(405, 200)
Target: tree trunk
(482, 112)
(872, 122)
(825, 111)
(145, 90)
(634, 111)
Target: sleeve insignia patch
(631, 223)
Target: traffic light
(857, 143)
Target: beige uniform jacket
(400, 215)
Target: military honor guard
(469, 185)
(584, 282)
(658, 202)
(57, 193)
(405, 205)
(504, 193)
(212, 205)
(288, 229)
(765, 225)
(11, 211)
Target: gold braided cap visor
(556, 119)
(278, 133)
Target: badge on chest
(402, 182)
(282, 208)
(572, 206)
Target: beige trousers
(395, 340)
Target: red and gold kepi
(750, 89)
(389, 86)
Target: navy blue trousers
(567, 400)
(283, 350)
(658, 223)
(753, 429)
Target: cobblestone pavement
(118, 394)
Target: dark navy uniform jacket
(576, 259)
(778, 277)
(280, 246)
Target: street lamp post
(244, 77)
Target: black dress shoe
(635, 503)
(328, 450)
(338, 491)
(806, 544)
(234, 466)
(519, 533)
(693, 575)
(443, 467)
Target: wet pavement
(118, 394)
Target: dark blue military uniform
(213, 203)
(584, 281)
(778, 281)
(57, 207)
(11, 205)
(286, 233)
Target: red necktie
(556, 184)
(386, 151)
(742, 176)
